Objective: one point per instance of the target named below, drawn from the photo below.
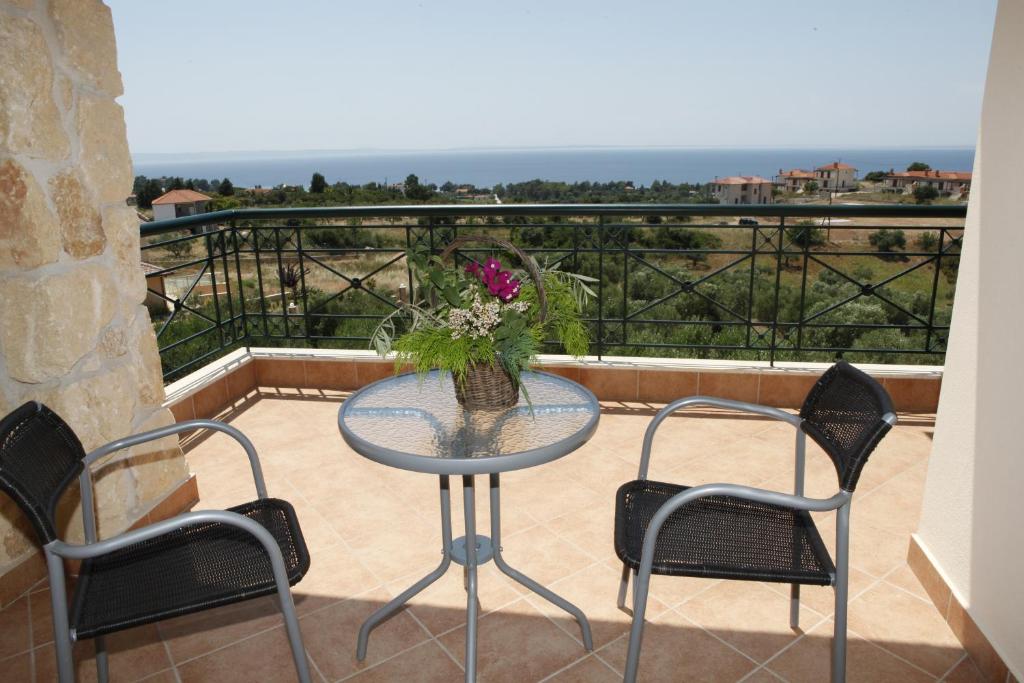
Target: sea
(486, 168)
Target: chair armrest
(689, 402)
(735, 491)
(85, 551)
(85, 480)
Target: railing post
(221, 237)
(254, 235)
(778, 286)
(302, 284)
(211, 262)
(241, 284)
(935, 291)
(600, 286)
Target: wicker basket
(487, 388)
(491, 387)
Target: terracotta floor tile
(904, 578)
(15, 635)
(442, 606)
(748, 615)
(895, 506)
(17, 668)
(821, 599)
(763, 676)
(264, 657)
(906, 626)
(426, 663)
(543, 556)
(398, 547)
(676, 649)
(334, 574)
(591, 528)
(809, 660)
(330, 635)
(42, 617)
(133, 654)
(593, 590)
(590, 669)
(964, 672)
(193, 635)
(516, 644)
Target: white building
(836, 177)
(178, 203)
(742, 189)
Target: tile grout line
(167, 651)
(953, 668)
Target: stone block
(103, 157)
(85, 31)
(48, 324)
(30, 123)
(29, 233)
(80, 226)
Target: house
(155, 289)
(794, 179)
(178, 203)
(954, 183)
(836, 177)
(742, 189)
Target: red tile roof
(939, 175)
(181, 197)
(797, 173)
(742, 180)
(836, 166)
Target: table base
(470, 551)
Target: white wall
(972, 522)
(163, 211)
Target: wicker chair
(192, 562)
(727, 531)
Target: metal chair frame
(840, 502)
(57, 551)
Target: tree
(927, 241)
(806, 234)
(226, 188)
(924, 193)
(888, 241)
(875, 176)
(810, 187)
(919, 166)
(149, 191)
(413, 189)
(318, 184)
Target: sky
(241, 75)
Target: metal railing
(872, 283)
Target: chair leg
(291, 624)
(794, 606)
(102, 666)
(641, 584)
(842, 594)
(61, 629)
(623, 587)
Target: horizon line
(526, 148)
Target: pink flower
(473, 268)
(492, 265)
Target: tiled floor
(373, 530)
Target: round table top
(416, 424)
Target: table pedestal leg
(550, 596)
(469, 504)
(388, 610)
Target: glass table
(416, 424)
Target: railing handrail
(442, 210)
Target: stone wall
(73, 331)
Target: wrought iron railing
(784, 282)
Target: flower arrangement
(485, 324)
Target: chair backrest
(845, 413)
(39, 457)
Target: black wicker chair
(192, 562)
(727, 531)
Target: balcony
(372, 530)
